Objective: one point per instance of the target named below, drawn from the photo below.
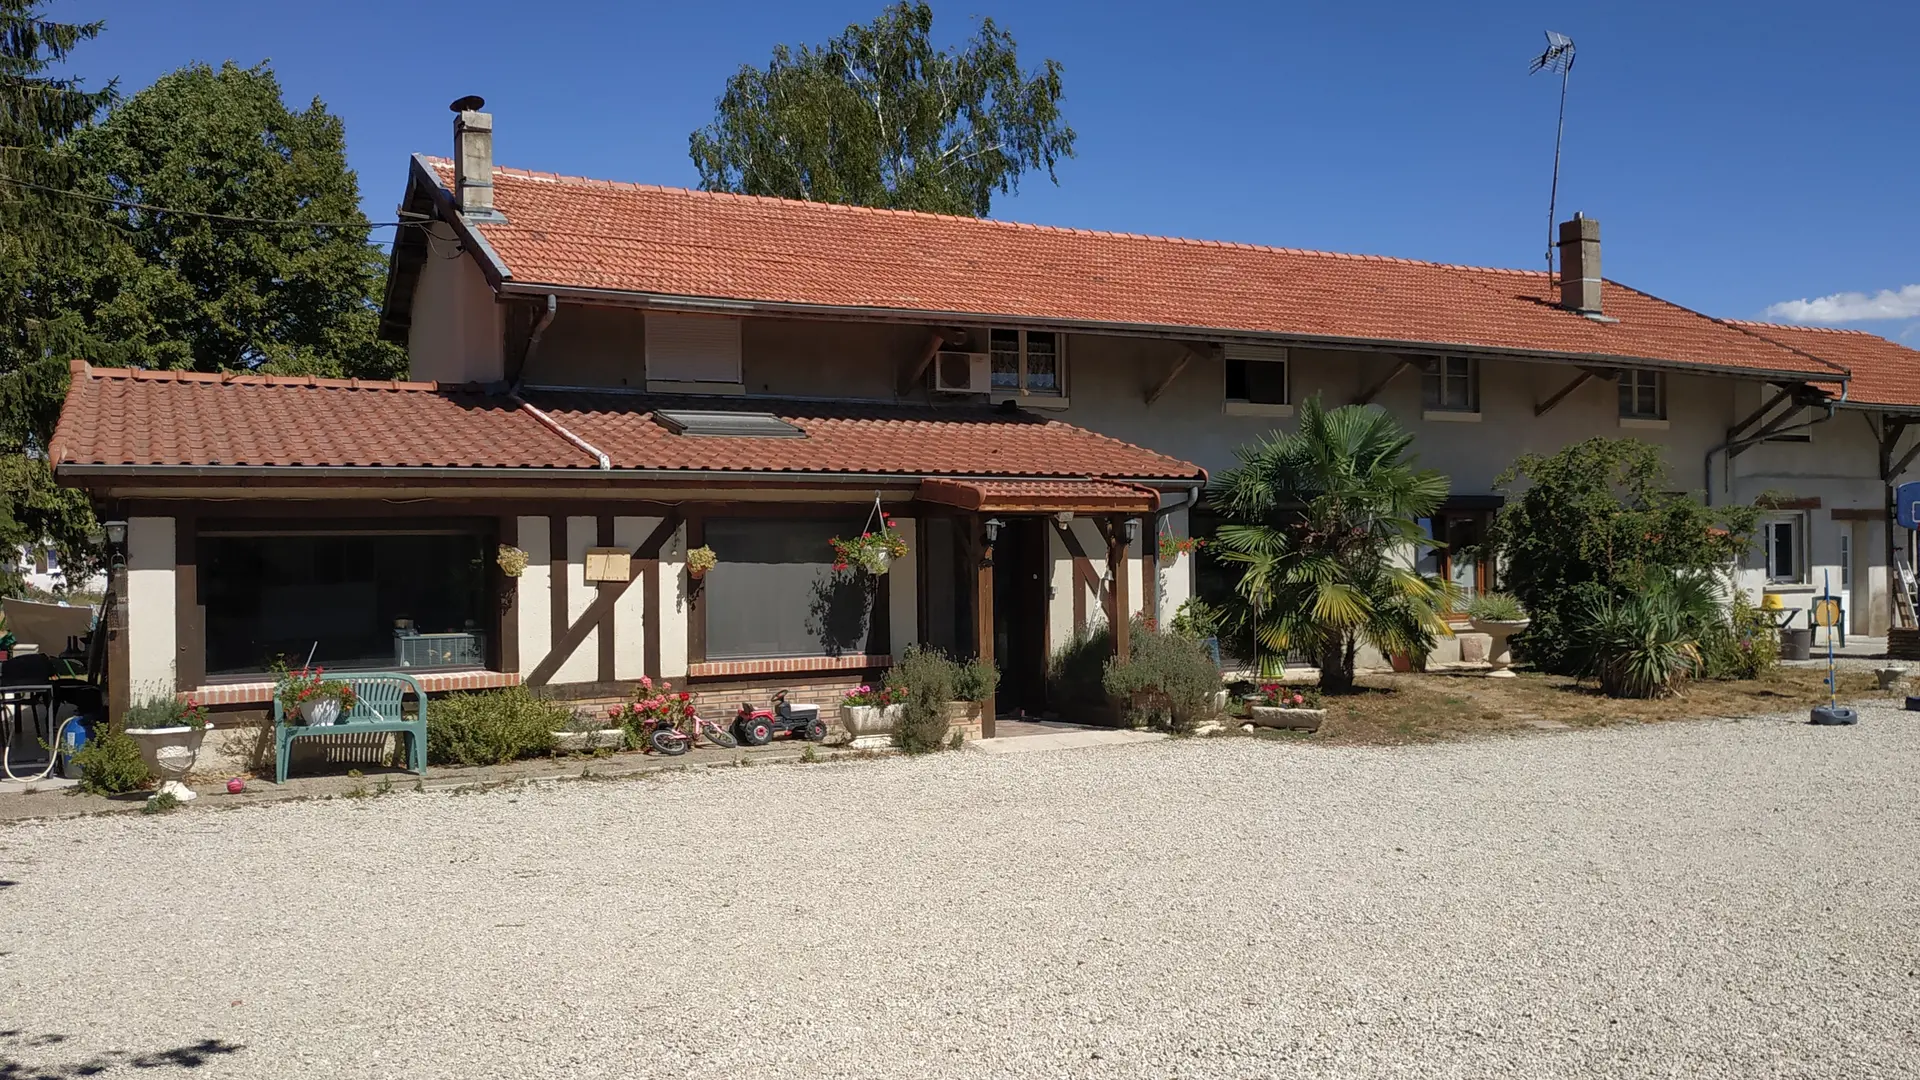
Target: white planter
(871, 725)
(612, 738)
(320, 712)
(169, 752)
(1498, 654)
(1274, 716)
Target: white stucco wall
(629, 612)
(458, 328)
(672, 618)
(534, 593)
(151, 630)
(583, 664)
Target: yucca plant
(1645, 642)
(1321, 523)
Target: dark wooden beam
(936, 340)
(974, 543)
(1782, 420)
(1190, 353)
(1548, 405)
(556, 590)
(1118, 567)
(1366, 398)
(604, 530)
(1736, 431)
(507, 626)
(189, 615)
(569, 637)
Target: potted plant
(700, 560)
(1283, 706)
(872, 551)
(1172, 546)
(869, 712)
(973, 683)
(1499, 616)
(169, 731)
(512, 560)
(317, 700)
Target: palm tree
(1323, 524)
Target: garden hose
(53, 756)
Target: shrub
(1645, 643)
(1495, 607)
(110, 764)
(921, 682)
(975, 680)
(1198, 620)
(164, 711)
(1077, 669)
(1746, 645)
(162, 803)
(1175, 671)
(492, 727)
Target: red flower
(684, 696)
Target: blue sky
(1741, 157)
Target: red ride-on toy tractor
(757, 727)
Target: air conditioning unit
(961, 373)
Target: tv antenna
(1557, 58)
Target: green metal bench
(376, 709)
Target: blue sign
(1906, 504)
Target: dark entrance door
(1020, 584)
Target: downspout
(533, 340)
(513, 392)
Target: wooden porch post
(1117, 565)
(982, 554)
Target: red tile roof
(1043, 496)
(115, 417)
(1884, 373)
(577, 233)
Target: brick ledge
(789, 665)
(261, 693)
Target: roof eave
(586, 472)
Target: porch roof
(119, 420)
(1040, 496)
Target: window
(1256, 375)
(1452, 384)
(1026, 362)
(774, 592)
(699, 349)
(1846, 558)
(1784, 552)
(1462, 532)
(340, 595)
(1643, 395)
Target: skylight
(736, 425)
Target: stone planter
(169, 754)
(1274, 716)
(320, 711)
(1889, 676)
(1498, 653)
(871, 725)
(965, 717)
(612, 738)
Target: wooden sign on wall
(609, 564)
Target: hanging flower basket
(512, 560)
(1172, 547)
(700, 560)
(872, 551)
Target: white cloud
(1901, 303)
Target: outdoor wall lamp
(1064, 517)
(993, 529)
(1131, 529)
(116, 533)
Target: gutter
(1737, 445)
(549, 473)
(560, 429)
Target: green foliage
(1644, 642)
(1198, 619)
(1495, 607)
(110, 764)
(163, 711)
(1174, 674)
(922, 682)
(879, 117)
(975, 680)
(492, 727)
(162, 803)
(1743, 645)
(1319, 522)
(1076, 672)
(1586, 524)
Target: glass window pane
(1266, 381)
(1043, 363)
(1626, 395)
(774, 592)
(1649, 398)
(1004, 346)
(1430, 383)
(1237, 379)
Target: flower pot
(964, 717)
(320, 712)
(1889, 676)
(168, 752)
(612, 738)
(1274, 716)
(1498, 654)
(871, 725)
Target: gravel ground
(1712, 899)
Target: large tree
(1321, 521)
(38, 109)
(879, 117)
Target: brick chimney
(1580, 265)
(473, 159)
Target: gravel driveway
(1710, 899)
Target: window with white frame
(1785, 543)
(1452, 384)
(1027, 362)
(1257, 375)
(1643, 395)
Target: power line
(238, 219)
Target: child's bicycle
(675, 740)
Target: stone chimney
(473, 159)
(1580, 265)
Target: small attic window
(736, 425)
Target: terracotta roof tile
(573, 232)
(1884, 372)
(159, 418)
